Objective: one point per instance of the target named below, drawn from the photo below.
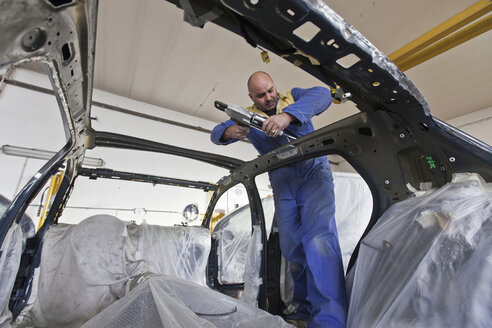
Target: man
(303, 196)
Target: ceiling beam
(451, 25)
(450, 42)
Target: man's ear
(250, 97)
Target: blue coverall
(305, 208)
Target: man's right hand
(235, 131)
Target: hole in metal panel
(328, 141)
(423, 126)
(291, 12)
(329, 43)
(365, 132)
(370, 70)
(306, 31)
(58, 3)
(336, 46)
(376, 83)
(66, 52)
(348, 61)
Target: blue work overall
(305, 210)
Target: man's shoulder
(287, 94)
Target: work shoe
(297, 323)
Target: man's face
(263, 92)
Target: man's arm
(228, 132)
(308, 103)
(276, 123)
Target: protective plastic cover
(86, 267)
(11, 250)
(234, 237)
(353, 206)
(428, 261)
(252, 279)
(165, 301)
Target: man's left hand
(276, 123)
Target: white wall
(31, 119)
(477, 124)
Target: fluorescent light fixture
(45, 154)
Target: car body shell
(389, 142)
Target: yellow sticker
(265, 57)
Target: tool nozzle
(220, 105)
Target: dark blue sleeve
(308, 103)
(219, 130)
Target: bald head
(256, 77)
(262, 91)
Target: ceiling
(146, 52)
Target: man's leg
(325, 278)
(289, 225)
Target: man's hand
(235, 132)
(276, 123)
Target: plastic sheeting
(25, 223)
(86, 267)
(11, 250)
(353, 208)
(164, 301)
(428, 260)
(234, 235)
(176, 251)
(252, 279)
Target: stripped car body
(391, 142)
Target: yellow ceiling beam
(452, 41)
(468, 15)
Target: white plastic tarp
(165, 301)
(86, 267)
(252, 279)
(353, 209)
(428, 261)
(234, 237)
(11, 250)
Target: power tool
(244, 117)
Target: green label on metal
(431, 162)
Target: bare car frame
(392, 142)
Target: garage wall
(477, 124)
(31, 119)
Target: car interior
(428, 196)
